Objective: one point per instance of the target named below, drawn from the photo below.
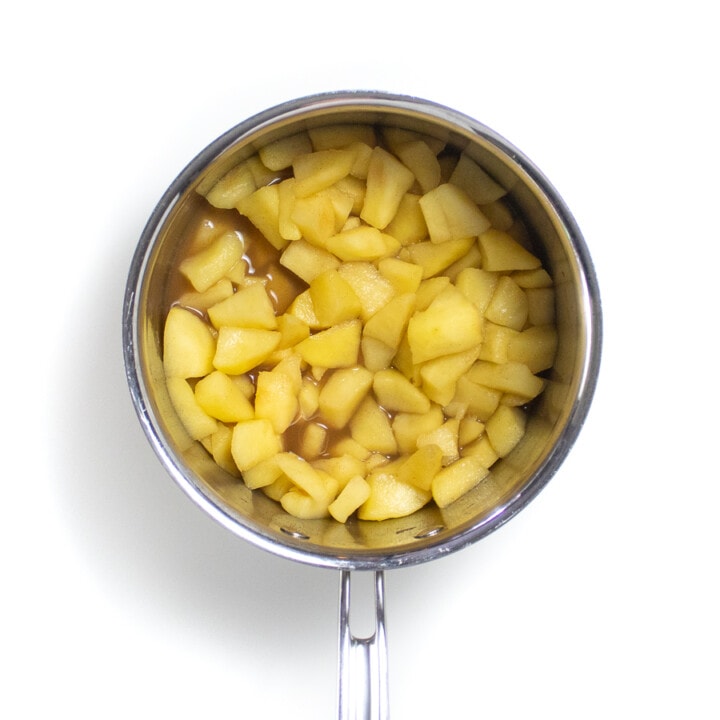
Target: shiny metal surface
(429, 533)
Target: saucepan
(554, 419)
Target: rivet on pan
(295, 534)
(430, 532)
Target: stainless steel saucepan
(429, 533)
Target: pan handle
(363, 681)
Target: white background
(122, 600)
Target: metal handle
(363, 682)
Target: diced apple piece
(249, 307)
(222, 289)
(394, 137)
(195, 420)
(313, 441)
(350, 498)
(334, 300)
(505, 429)
(508, 305)
(260, 172)
(320, 169)
(451, 215)
(453, 481)
(420, 159)
(408, 427)
(265, 473)
(236, 184)
(440, 375)
(280, 154)
(254, 441)
(370, 426)
(292, 330)
(446, 438)
(450, 325)
(373, 290)
(429, 289)
(362, 243)
(496, 340)
(476, 182)
(537, 278)
(340, 465)
(188, 345)
(303, 506)
(478, 399)
(305, 476)
(421, 467)
(276, 398)
(471, 259)
(395, 392)
(391, 498)
(302, 309)
(376, 354)
(390, 322)
(220, 397)
(308, 398)
(262, 208)
(204, 268)
(433, 258)
(342, 393)
(387, 181)
(470, 430)
(353, 188)
(336, 347)
(404, 276)
(315, 218)
(341, 135)
(221, 449)
(242, 349)
(478, 286)
(287, 227)
(307, 261)
(482, 450)
(408, 225)
(502, 253)
(535, 347)
(510, 377)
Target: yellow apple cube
(509, 304)
(262, 208)
(307, 261)
(505, 429)
(373, 290)
(535, 347)
(276, 398)
(242, 349)
(336, 347)
(195, 420)
(188, 345)
(478, 286)
(408, 427)
(249, 307)
(451, 324)
(342, 394)
(433, 258)
(476, 182)
(254, 441)
(350, 498)
(204, 268)
(395, 392)
(421, 467)
(405, 277)
(280, 154)
(370, 426)
(451, 214)
(320, 169)
(511, 377)
(315, 218)
(453, 481)
(219, 396)
(446, 437)
(362, 243)
(440, 375)
(408, 225)
(390, 322)
(333, 298)
(387, 181)
(418, 157)
(222, 289)
(341, 135)
(236, 184)
(391, 498)
(502, 253)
